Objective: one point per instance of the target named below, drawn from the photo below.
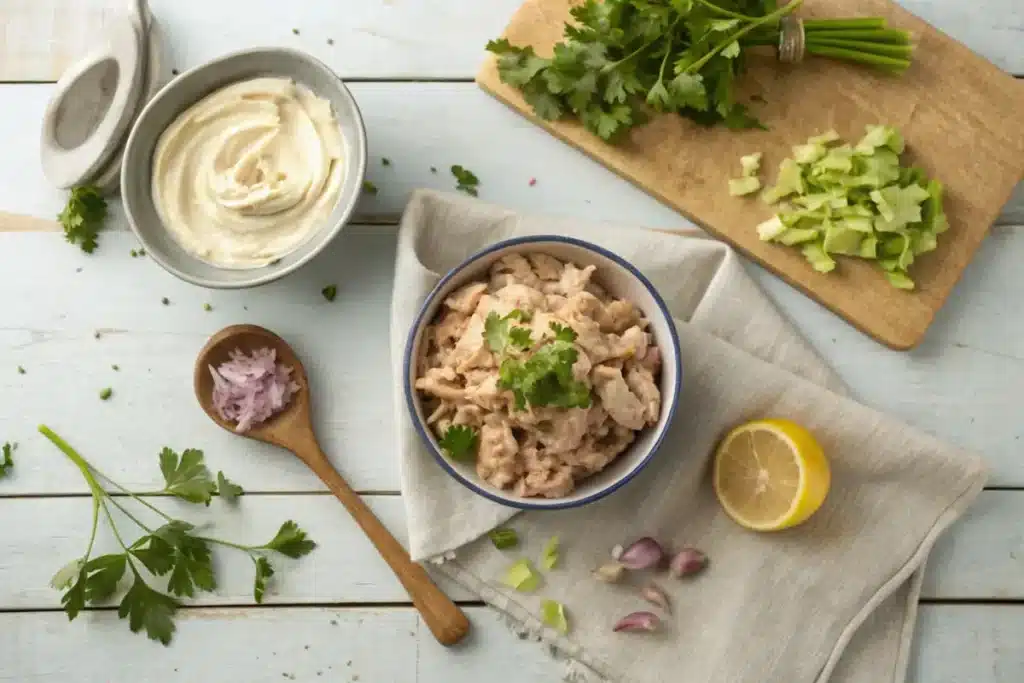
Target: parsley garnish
(83, 217)
(499, 333)
(175, 550)
(384, 161)
(21, 370)
(369, 187)
(545, 378)
(106, 393)
(460, 443)
(329, 292)
(8, 458)
(621, 60)
(466, 180)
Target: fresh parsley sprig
(83, 216)
(499, 333)
(545, 378)
(174, 550)
(460, 442)
(623, 59)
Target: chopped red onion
(249, 389)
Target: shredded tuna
(249, 389)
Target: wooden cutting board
(960, 115)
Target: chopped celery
(743, 186)
(751, 164)
(549, 556)
(522, 577)
(817, 257)
(503, 538)
(855, 201)
(552, 613)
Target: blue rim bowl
(621, 279)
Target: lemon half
(770, 474)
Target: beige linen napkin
(833, 600)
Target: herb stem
(95, 524)
(768, 18)
(136, 496)
(842, 24)
(607, 68)
(113, 526)
(889, 63)
(129, 515)
(725, 12)
(237, 546)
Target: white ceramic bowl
(621, 279)
(189, 88)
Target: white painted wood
(963, 383)
(373, 38)
(956, 644)
(978, 559)
(417, 126)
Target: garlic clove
(642, 554)
(687, 562)
(610, 572)
(653, 594)
(617, 551)
(638, 622)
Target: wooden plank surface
(963, 384)
(451, 123)
(957, 644)
(979, 559)
(383, 39)
(955, 109)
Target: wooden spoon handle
(444, 618)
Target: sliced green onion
(504, 539)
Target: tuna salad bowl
(542, 372)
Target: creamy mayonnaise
(249, 172)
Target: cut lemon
(770, 474)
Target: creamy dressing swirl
(249, 172)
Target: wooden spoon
(292, 429)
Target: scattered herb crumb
(433, 169)
(96, 334)
(8, 460)
(330, 41)
(385, 161)
(295, 31)
(165, 301)
(78, 270)
(115, 368)
(305, 647)
(369, 187)
(142, 252)
(175, 72)
(21, 370)
(83, 217)
(207, 307)
(329, 292)
(466, 181)
(134, 253)
(106, 393)
(334, 622)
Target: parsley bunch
(623, 59)
(83, 217)
(174, 550)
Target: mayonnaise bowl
(195, 189)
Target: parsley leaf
(174, 550)
(83, 217)
(227, 489)
(546, 378)
(149, 609)
(330, 292)
(290, 541)
(8, 460)
(460, 443)
(465, 180)
(499, 333)
(264, 571)
(188, 477)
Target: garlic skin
(687, 562)
(617, 551)
(638, 622)
(645, 553)
(653, 594)
(610, 572)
